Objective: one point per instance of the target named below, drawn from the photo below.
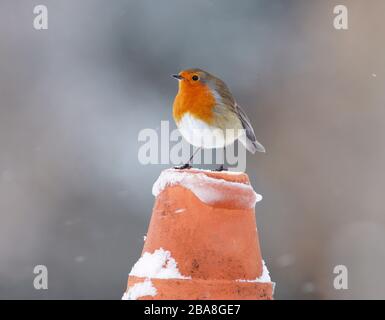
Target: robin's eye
(195, 77)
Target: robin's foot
(221, 168)
(184, 166)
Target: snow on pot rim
(210, 190)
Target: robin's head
(195, 80)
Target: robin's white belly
(200, 134)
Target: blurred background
(73, 98)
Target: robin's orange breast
(196, 100)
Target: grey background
(73, 195)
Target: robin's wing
(250, 141)
(228, 103)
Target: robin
(207, 115)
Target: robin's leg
(188, 164)
(222, 166)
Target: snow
(265, 277)
(140, 289)
(308, 287)
(286, 260)
(159, 264)
(206, 188)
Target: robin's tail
(248, 139)
(250, 145)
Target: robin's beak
(177, 76)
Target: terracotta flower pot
(202, 241)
